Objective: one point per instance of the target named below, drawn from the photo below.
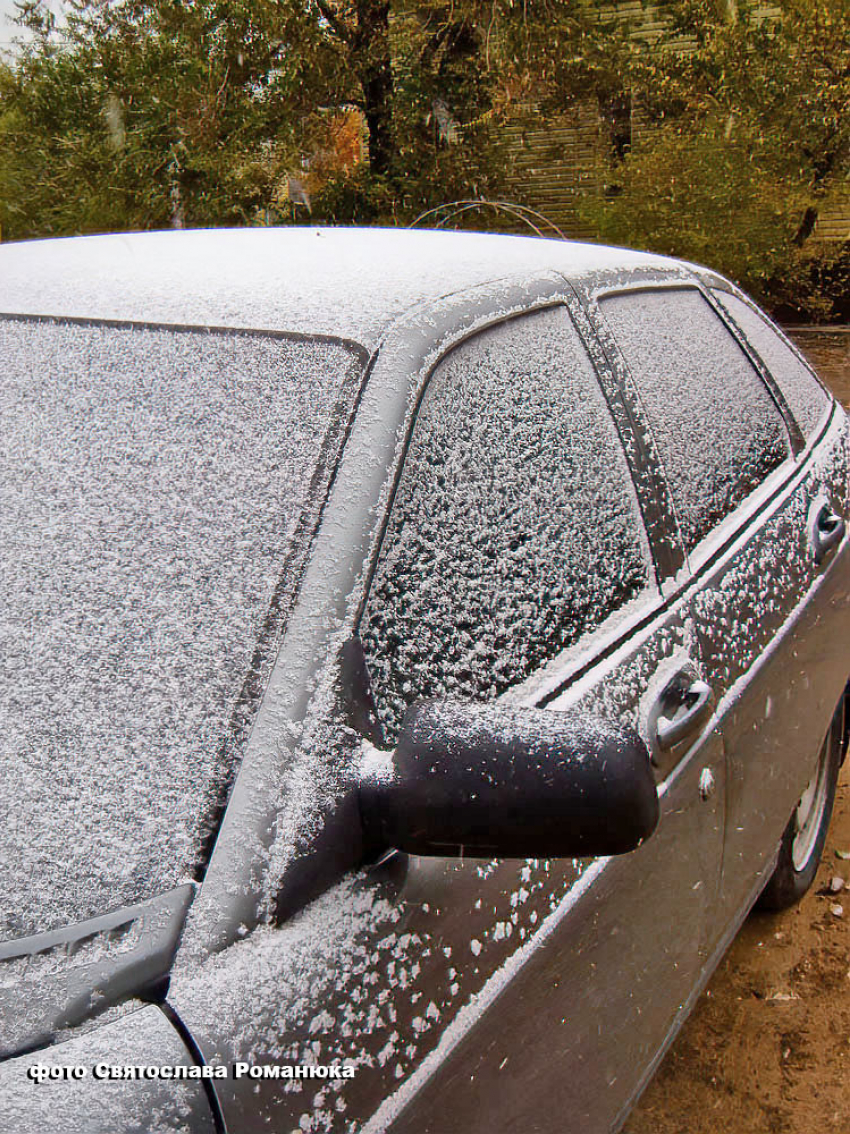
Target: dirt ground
(767, 1049)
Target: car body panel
(746, 589)
(775, 659)
(338, 282)
(469, 995)
(451, 928)
(105, 1098)
(320, 623)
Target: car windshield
(158, 488)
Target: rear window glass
(515, 527)
(806, 398)
(153, 482)
(718, 431)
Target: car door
(515, 563)
(488, 483)
(783, 671)
(749, 500)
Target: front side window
(515, 527)
(717, 429)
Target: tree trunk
(373, 65)
(806, 227)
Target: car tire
(803, 840)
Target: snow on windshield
(153, 481)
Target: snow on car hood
(154, 482)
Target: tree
(747, 138)
(143, 114)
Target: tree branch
(338, 27)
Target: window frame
(718, 284)
(724, 532)
(549, 678)
(472, 311)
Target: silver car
(420, 651)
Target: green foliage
(747, 138)
(145, 113)
(704, 195)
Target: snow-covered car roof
(317, 281)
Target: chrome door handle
(827, 531)
(680, 710)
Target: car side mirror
(487, 780)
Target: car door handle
(679, 710)
(827, 531)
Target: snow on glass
(717, 429)
(153, 480)
(515, 527)
(806, 398)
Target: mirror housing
(499, 781)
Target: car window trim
(351, 345)
(636, 441)
(790, 482)
(577, 296)
(726, 288)
(563, 298)
(796, 441)
(676, 280)
(652, 593)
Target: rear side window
(515, 526)
(718, 430)
(806, 398)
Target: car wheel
(803, 841)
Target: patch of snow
(153, 484)
(717, 430)
(92, 1106)
(348, 282)
(515, 528)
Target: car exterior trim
(471, 1013)
(743, 517)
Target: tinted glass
(515, 527)
(153, 483)
(806, 398)
(718, 431)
